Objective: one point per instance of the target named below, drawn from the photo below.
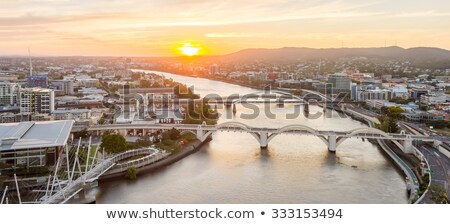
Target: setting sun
(189, 50)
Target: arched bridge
(262, 96)
(264, 135)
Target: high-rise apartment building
(37, 100)
(9, 94)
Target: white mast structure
(31, 65)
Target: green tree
(401, 100)
(199, 113)
(136, 76)
(113, 143)
(101, 120)
(389, 119)
(389, 125)
(395, 112)
(174, 134)
(423, 107)
(131, 173)
(143, 141)
(81, 134)
(145, 83)
(439, 124)
(384, 110)
(182, 91)
(438, 195)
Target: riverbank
(406, 163)
(187, 150)
(229, 81)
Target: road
(423, 129)
(439, 163)
(440, 166)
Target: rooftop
(64, 111)
(37, 89)
(26, 135)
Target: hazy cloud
(137, 23)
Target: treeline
(199, 113)
(389, 118)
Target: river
(294, 169)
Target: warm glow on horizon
(201, 27)
(189, 50)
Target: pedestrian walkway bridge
(70, 179)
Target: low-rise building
(63, 87)
(32, 144)
(38, 81)
(432, 99)
(421, 116)
(376, 94)
(378, 104)
(71, 114)
(157, 98)
(399, 91)
(416, 93)
(7, 77)
(83, 80)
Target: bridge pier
(234, 108)
(407, 145)
(436, 143)
(306, 108)
(332, 143)
(263, 136)
(200, 133)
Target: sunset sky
(159, 28)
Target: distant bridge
(263, 96)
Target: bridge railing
(408, 172)
(71, 188)
(423, 158)
(102, 166)
(147, 160)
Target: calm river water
(294, 169)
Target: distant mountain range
(289, 54)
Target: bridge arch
(260, 93)
(321, 95)
(231, 126)
(297, 127)
(357, 131)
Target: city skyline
(161, 28)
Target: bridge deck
(240, 127)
